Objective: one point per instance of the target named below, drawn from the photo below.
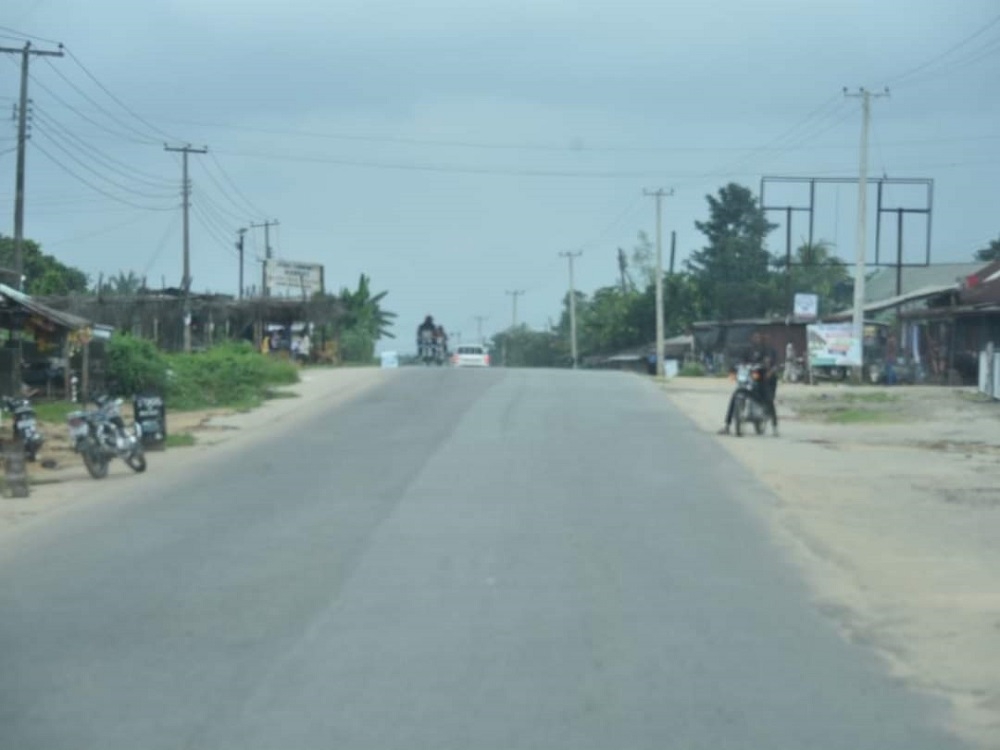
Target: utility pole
(186, 281)
(22, 139)
(861, 251)
(239, 246)
(572, 305)
(515, 294)
(479, 327)
(267, 253)
(659, 194)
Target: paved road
(458, 559)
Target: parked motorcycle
(749, 404)
(25, 424)
(100, 435)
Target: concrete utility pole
(186, 281)
(861, 250)
(239, 246)
(22, 139)
(479, 327)
(659, 194)
(265, 291)
(572, 304)
(515, 294)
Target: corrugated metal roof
(882, 284)
(886, 304)
(64, 319)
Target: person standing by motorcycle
(761, 354)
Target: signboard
(806, 307)
(295, 279)
(833, 345)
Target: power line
(232, 183)
(95, 188)
(96, 232)
(144, 141)
(225, 193)
(64, 135)
(212, 230)
(138, 193)
(171, 225)
(110, 116)
(25, 35)
(114, 98)
(440, 168)
(958, 45)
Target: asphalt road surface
(458, 559)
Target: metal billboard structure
(926, 209)
(293, 278)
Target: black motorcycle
(100, 434)
(25, 424)
(749, 405)
(429, 349)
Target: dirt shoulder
(889, 500)
(210, 434)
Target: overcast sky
(451, 149)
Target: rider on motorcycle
(425, 333)
(442, 340)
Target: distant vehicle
(471, 355)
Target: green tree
(364, 321)
(44, 274)
(816, 271)
(733, 271)
(989, 253)
(524, 347)
(123, 284)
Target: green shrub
(232, 374)
(134, 365)
(692, 370)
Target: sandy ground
(215, 431)
(889, 499)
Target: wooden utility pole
(186, 281)
(659, 195)
(22, 139)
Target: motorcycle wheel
(758, 426)
(738, 415)
(95, 461)
(137, 462)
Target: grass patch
(860, 416)
(55, 411)
(231, 375)
(692, 370)
(180, 440)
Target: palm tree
(124, 284)
(364, 321)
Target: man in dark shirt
(760, 353)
